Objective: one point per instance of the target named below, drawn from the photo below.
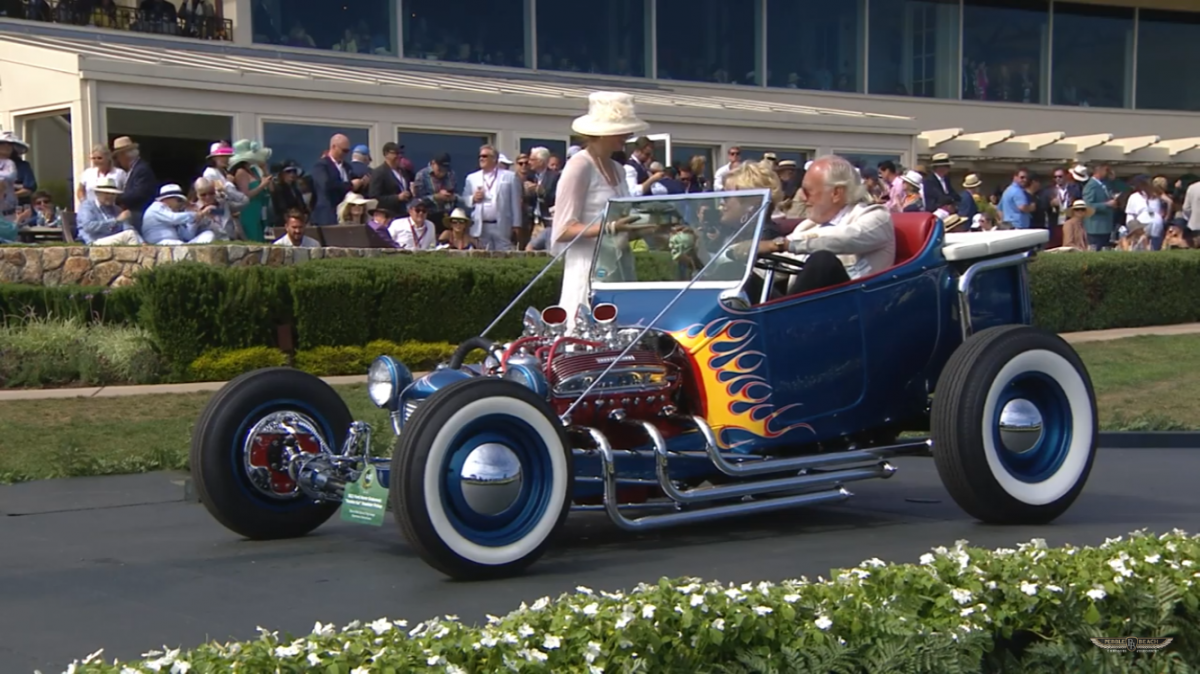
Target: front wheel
(237, 457)
(481, 478)
(1014, 425)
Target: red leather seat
(913, 232)
(786, 225)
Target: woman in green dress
(247, 166)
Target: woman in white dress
(589, 179)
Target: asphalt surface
(126, 564)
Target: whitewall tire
(482, 478)
(1014, 425)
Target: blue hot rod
(691, 385)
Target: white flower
(593, 669)
(525, 631)
(966, 611)
(874, 561)
(991, 585)
(733, 593)
(455, 669)
(381, 626)
(1054, 588)
(314, 659)
(541, 603)
(591, 609)
(960, 595)
(1097, 593)
(433, 660)
(648, 611)
(624, 620)
(1186, 562)
(591, 652)
(696, 600)
(1029, 588)
(180, 667)
(719, 624)
(551, 642)
(583, 590)
(791, 598)
(1153, 559)
(442, 631)
(488, 639)
(287, 651)
(533, 654)
(927, 559)
(360, 670)
(1118, 565)
(763, 610)
(823, 622)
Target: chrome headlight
(385, 380)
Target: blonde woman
(1074, 234)
(102, 167)
(353, 209)
(588, 180)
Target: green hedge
(323, 361)
(1033, 609)
(191, 308)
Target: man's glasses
(486, 156)
(42, 202)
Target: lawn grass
(1142, 383)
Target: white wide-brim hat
(171, 191)
(913, 178)
(610, 113)
(1079, 173)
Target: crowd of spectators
(188, 18)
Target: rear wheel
(236, 453)
(481, 478)
(1014, 425)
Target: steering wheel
(778, 263)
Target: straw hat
(123, 144)
(171, 191)
(913, 178)
(459, 214)
(220, 149)
(952, 221)
(1079, 172)
(1081, 205)
(786, 164)
(355, 199)
(972, 181)
(941, 159)
(107, 185)
(610, 113)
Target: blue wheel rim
(537, 485)
(237, 455)
(1047, 455)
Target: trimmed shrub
(192, 307)
(42, 352)
(19, 301)
(219, 365)
(1034, 609)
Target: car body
(677, 392)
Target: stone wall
(115, 266)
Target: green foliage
(114, 306)
(1098, 291)
(192, 307)
(963, 609)
(42, 352)
(223, 365)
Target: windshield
(670, 238)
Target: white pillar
(239, 12)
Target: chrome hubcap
(1020, 426)
(491, 478)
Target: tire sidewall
(418, 480)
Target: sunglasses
(41, 202)
(486, 156)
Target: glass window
(467, 31)
(709, 40)
(685, 154)
(558, 148)
(756, 154)
(420, 147)
(1083, 74)
(363, 27)
(306, 143)
(863, 160)
(1168, 45)
(815, 44)
(1004, 50)
(913, 48)
(614, 44)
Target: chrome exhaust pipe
(650, 522)
(798, 462)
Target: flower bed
(963, 609)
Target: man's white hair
(838, 171)
(540, 153)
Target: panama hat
(913, 178)
(459, 214)
(972, 181)
(952, 221)
(504, 160)
(220, 149)
(123, 144)
(107, 185)
(941, 159)
(1079, 172)
(171, 191)
(1081, 205)
(610, 113)
(786, 164)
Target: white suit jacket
(863, 237)
(509, 200)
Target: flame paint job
(737, 392)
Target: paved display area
(126, 564)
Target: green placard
(366, 499)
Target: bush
(42, 352)
(223, 365)
(117, 306)
(963, 609)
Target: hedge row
(191, 308)
(323, 361)
(1034, 609)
